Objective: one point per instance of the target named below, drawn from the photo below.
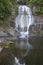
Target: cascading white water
(24, 20)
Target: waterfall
(24, 20)
(22, 23)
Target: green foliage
(37, 3)
(6, 44)
(5, 8)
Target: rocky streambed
(11, 34)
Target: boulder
(3, 34)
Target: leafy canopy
(5, 8)
(37, 3)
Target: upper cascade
(24, 8)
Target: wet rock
(2, 40)
(2, 33)
(1, 49)
(11, 31)
(39, 19)
(36, 30)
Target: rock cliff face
(37, 28)
(39, 18)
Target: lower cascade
(24, 20)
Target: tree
(37, 3)
(5, 8)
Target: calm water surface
(28, 51)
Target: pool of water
(27, 52)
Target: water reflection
(17, 62)
(19, 49)
(24, 52)
(23, 45)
